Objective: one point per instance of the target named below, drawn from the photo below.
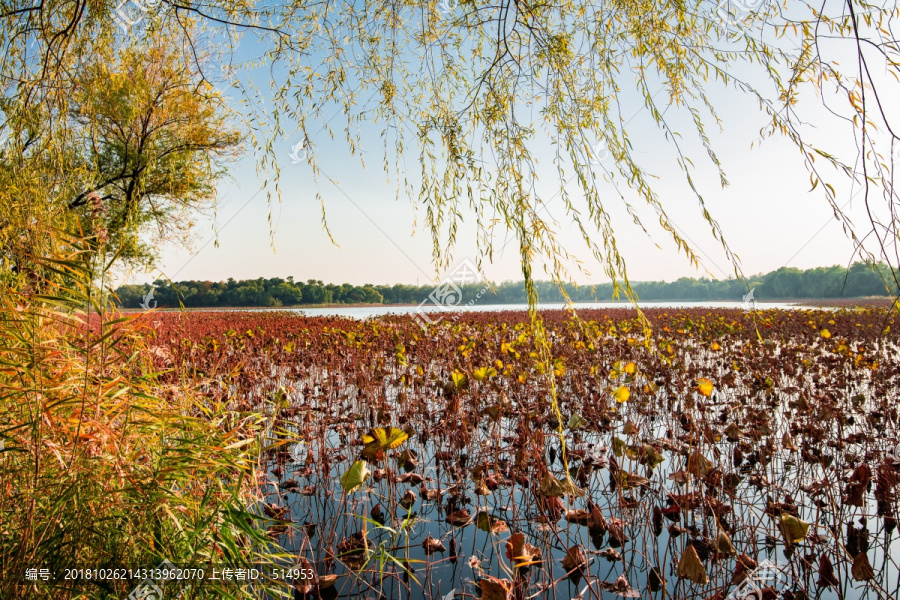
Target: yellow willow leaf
(705, 386)
(825, 333)
(622, 394)
(630, 368)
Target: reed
(103, 466)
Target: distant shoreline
(863, 302)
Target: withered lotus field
(429, 463)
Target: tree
(287, 294)
(124, 147)
(154, 136)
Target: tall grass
(101, 465)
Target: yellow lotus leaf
(650, 387)
(460, 379)
(355, 476)
(705, 386)
(630, 368)
(576, 421)
(389, 438)
(482, 373)
(380, 439)
(650, 456)
(825, 333)
(690, 567)
(622, 394)
(794, 529)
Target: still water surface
(363, 312)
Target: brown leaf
(413, 478)
(679, 476)
(574, 559)
(429, 494)
(857, 485)
(610, 554)
(733, 432)
(408, 499)
(826, 572)
(698, 465)
(353, 550)
(519, 552)
(432, 545)
(787, 442)
(862, 569)
(621, 588)
(690, 567)
(723, 544)
(551, 507)
(597, 522)
(744, 565)
(495, 589)
(305, 585)
(617, 530)
(460, 517)
(580, 516)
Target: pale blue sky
(767, 213)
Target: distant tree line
(823, 282)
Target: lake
(364, 312)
